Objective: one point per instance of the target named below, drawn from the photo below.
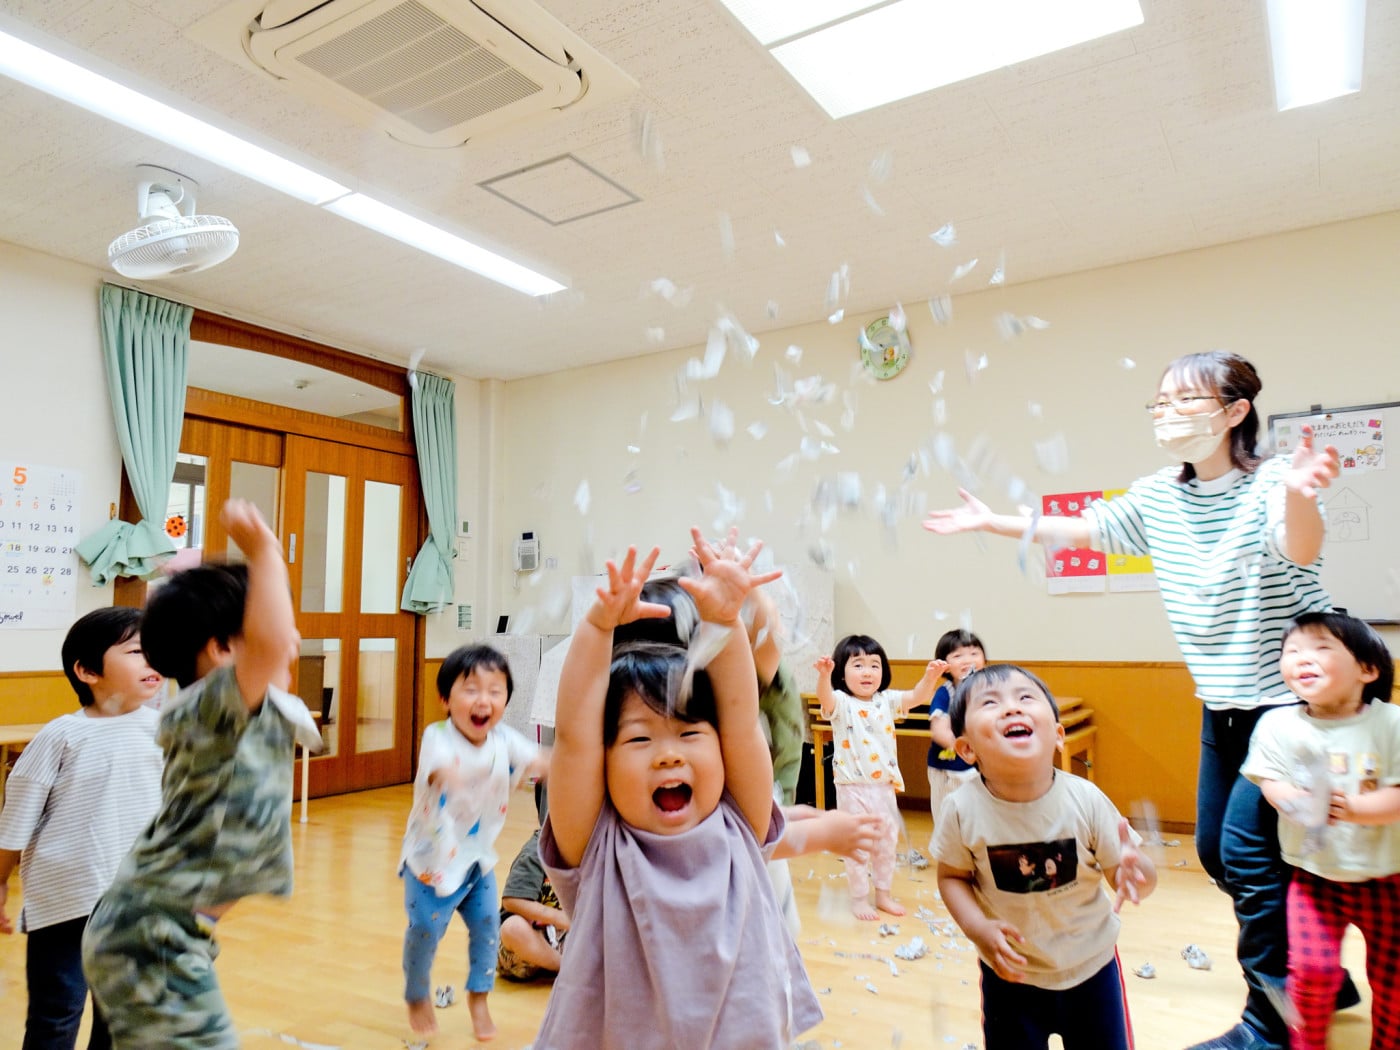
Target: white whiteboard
(1361, 560)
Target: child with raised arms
(227, 634)
(853, 688)
(962, 652)
(657, 848)
(80, 793)
(1350, 876)
(467, 765)
(1022, 852)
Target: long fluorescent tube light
(1317, 48)
(428, 238)
(892, 51)
(66, 80)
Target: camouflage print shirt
(780, 704)
(224, 827)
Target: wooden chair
(1080, 734)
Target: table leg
(4, 769)
(818, 772)
(305, 780)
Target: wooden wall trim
(228, 408)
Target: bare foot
(884, 900)
(482, 1026)
(421, 1017)
(861, 909)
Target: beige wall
(1316, 310)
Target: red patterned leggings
(1319, 911)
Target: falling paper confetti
(941, 307)
(772, 310)
(881, 166)
(1053, 454)
(794, 354)
(945, 236)
(870, 201)
(999, 274)
(656, 336)
(963, 270)
(726, 236)
(757, 430)
(581, 497)
(721, 422)
(836, 317)
(800, 157)
(1128, 364)
(778, 239)
(649, 140)
(897, 319)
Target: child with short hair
(80, 793)
(534, 925)
(657, 847)
(853, 688)
(467, 766)
(227, 634)
(1342, 671)
(962, 652)
(1021, 852)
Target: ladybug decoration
(175, 526)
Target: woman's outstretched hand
(972, 516)
(1312, 469)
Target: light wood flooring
(323, 968)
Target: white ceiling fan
(172, 239)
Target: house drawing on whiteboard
(1348, 517)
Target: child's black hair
(652, 671)
(89, 639)
(1361, 640)
(676, 629)
(953, 641)
(990, 675)
(187, 612)
(462, 661)
(858, 645)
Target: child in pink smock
(657, 847)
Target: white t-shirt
(81, 792)
(863, 734)
(1363, 754)
(1039, 866)
(450, 829)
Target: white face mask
(1188, 439)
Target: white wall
(1317, 311)
(56, 412)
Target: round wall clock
(884, 349)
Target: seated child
(1046, 936)
(80, 793)
(1344, 842)
(960, 652)
(533, 925)
(657, 849)
(467, 765)
(227, 635)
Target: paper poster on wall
(1072, 570)
(1358, 435)
(1129, 572)
(38, 530)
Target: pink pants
(1319, 911)
(880, 800)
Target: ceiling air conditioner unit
(431, 72)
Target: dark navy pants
(53, 966)
(1093, 1015)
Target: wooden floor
(323, 968)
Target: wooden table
(1080, 736)
(14, 736)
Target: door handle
(292, 549)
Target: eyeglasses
(1184, 403)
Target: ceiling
(1156, 140)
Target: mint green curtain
(146, 348)
(430, 581)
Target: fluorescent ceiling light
(895, 50)
(1317, 47)
(774, 20)
(73, 83)
(428, 238)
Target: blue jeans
(1093, 1015)
(53, 969)
(428, 915)
(1237, 839)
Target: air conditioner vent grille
(408, 62)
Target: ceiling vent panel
(431, 72)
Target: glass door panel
(379, 559)
(375, 698)
(258, 484)
(322, 553)
(318, 685)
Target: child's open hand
(620, 601)
(824, 665)
(854, 835)
(936, 669)
(245, 526)
(726, 581)
(994, 939)
(1312, 470)
(1131, 875)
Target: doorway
(348, 520)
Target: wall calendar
(38, 533)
